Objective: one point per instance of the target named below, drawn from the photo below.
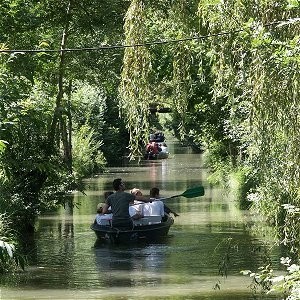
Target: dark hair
(154, 192)
(106, 194)
(116, 184)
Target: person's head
(106, 194)
(99, 208)
(152, 136)
(118, 185)
(136, 192)
(154, 192)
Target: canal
(209, 244)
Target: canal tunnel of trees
(76, 83)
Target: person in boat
(101, 218)
(152, 149)
(119, 202)
(137, 205)
(155, 208)
(159, 136)
(164, 148)
(136, 192)
(152, 137)
(136, 209)
(154, 196)
(147, 209)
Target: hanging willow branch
(134, 89)
(182, 84)
(261, 69)
(181, 65)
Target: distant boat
(148, 229)
(156, 150)
(152, 156)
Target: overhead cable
(159, 42)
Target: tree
(255, 67)
(36, 95)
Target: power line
(160, 42)
(109, 47)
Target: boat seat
(147, 220)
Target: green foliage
(94, 107)
(220, 175)
(134, 89)
(158, 76)
(88, 105)
(290, 228)
(241, 182)
(255, 70)
(34, 178)
(87, 157)
(10, 257)
(2, 145)
(234, 93)
(217, 158)
(285, 285)
(24, 130)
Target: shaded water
(207, 247)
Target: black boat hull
(160, 155)
(151, 232)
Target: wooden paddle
(191, 193)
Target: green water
(207, 247)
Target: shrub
(87, 156)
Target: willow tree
(157, 74)
(134, 88)
(275, 126)
(256, 67)
(181, 82)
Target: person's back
(155, 148)
(155, 208)
(164, 148)
(119, 203)
(154, 196)
(101, 218)
(136, 211)
(149, 148)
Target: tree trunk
(58, 112)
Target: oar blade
(194, 192)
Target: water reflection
(130, 266)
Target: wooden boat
(149, 229)
(152, 156)
(146, 229)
